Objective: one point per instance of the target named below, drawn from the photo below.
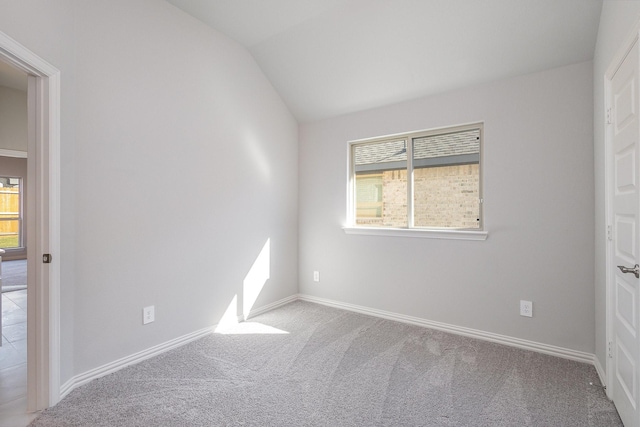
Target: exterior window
(10, 213)
(369, 198)
(443, 190)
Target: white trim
(432, 131)
(22, 58)
(109, 368)
(13, 153)
(43, 366)
(138, 357)
(416, 232)
(55, 237)
(271, 306)
(410, 177)
(551, 350)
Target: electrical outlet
(148, 314)
(526, 308)
(316, 276)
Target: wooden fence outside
(9, 209)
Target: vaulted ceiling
(330, 57)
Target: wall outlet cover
(526, 308)
(148, 314)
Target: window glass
(444, 180)
(381, 183)
(369, 199)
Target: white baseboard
(138, 357)
(459, 330)
(114, 366)
(272, 306)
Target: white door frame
(43, 305)
(615, 63)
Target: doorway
(13, 180)
(43, 223)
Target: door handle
(635, 270)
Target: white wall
(179, 162)
(538, 189)
(13, 119)
(616, 22)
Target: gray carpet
(336, 368)
(14, 275)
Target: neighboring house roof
(465, 143)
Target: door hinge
(46, 258)
(610, 350)
(609, 116)
(609, 233)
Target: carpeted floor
(309, 365)
(14, 275)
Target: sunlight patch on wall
(229, 318)
(256, 278)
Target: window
(369, 198)
(443, 191)
(10, 213)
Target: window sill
(18, 249)
(416, 232)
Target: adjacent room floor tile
(14, 413)
(13, 358)
(21, 346)
(10, 356)
(15, 332)
(18, 297)
(13, 316)
(13, 383)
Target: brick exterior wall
(446, 196)
(394, 198)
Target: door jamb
(43, 306)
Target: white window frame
(411, 230)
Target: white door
(624, 155)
